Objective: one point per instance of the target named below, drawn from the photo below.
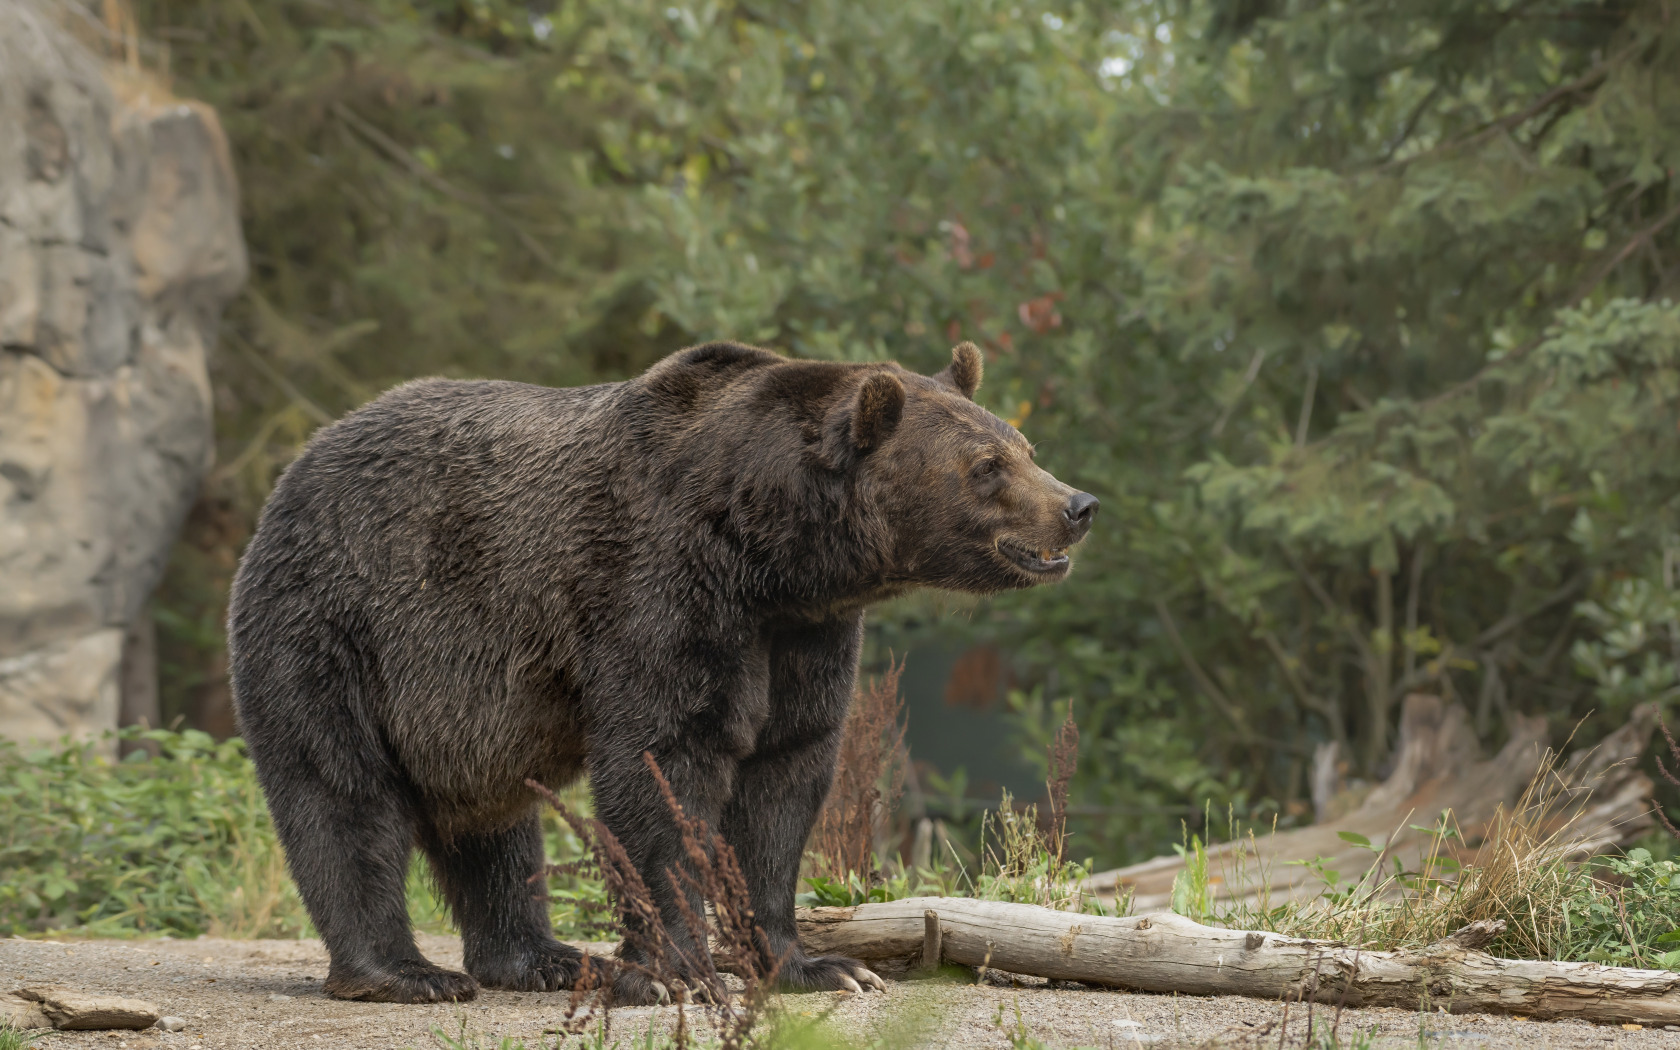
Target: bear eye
(987, 467)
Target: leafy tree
(1355, 315)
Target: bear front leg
(629, 803)
(779, 790)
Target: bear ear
(963, 373)
(877, 410)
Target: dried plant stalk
(1668, 775)
(1064, 761)
(868, 780)
(709, 882)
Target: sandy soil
(250, 994)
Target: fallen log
(1169, 953)
(1437, 768)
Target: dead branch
(1169, 953)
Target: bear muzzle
(1047, 561)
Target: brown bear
(463, 585)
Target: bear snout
(1081, 509)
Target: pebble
(172, 1024)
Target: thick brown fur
(463, 585)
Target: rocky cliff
(119, 247)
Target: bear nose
(1081, 508)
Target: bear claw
(633, 988)
(829, 973)
(869, 977)
(549, 968)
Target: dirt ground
(249, 994)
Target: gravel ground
(249, 994)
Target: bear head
(961, 502)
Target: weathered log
(1436, 769)
(1169, 953)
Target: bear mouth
(1036, 560)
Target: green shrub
(1633, 917)
(180, 843)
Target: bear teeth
(1032, 558)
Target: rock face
(119, 247)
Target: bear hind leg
(349, 858)
(506, 936)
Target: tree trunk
(137, 703)
(1169, 953)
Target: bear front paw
(827, 973)
(632, 987)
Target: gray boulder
(119, 247)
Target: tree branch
(1203, 682)
(1307, 699)
(1527, 113)
(396, 152)
(1341, 616)
(1621, 255)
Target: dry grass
(257, 897)
(1063, 762)
(1525, 872)
(721, 927)
(1025, 859)
(868, 780)
(1668, 775)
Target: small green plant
(464, 1040)
(1024, 864)
(1622, 910)
(1016, 1031)
(1192, 890)
(1632, 918)
(1330, 1039)
(13, 1038)
(845, 892)
(596, 1038)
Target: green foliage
(13, 1038)
(1626, 913)
(1190, 890)
(848, 892)
(181, 844)
(1416, 265)
(1357, 318)
(1020, 864)
(178, 844)
(596, 1038)
(1632, 921)
(1620, 910)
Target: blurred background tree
(1357, 316)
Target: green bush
(180, 843)
(1633, 920)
